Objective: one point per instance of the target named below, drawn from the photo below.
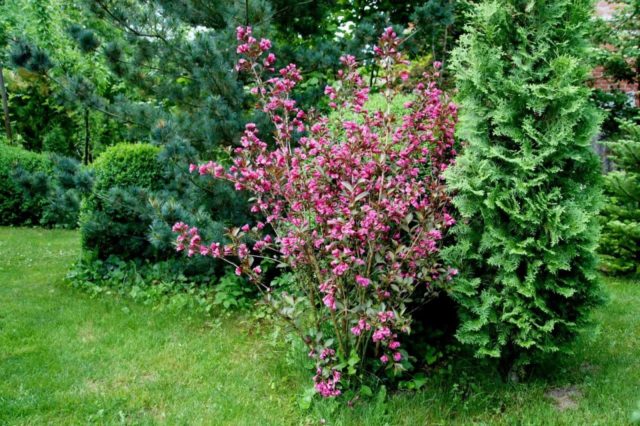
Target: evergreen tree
(620, 242)
(528, 184)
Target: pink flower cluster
(327, 386)
(360, 206)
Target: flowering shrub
(357, 209)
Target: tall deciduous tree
(528, 184)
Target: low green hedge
(17, 205)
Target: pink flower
(397, 356)
(327, 387)
(241, 32)
(269, 60)
(364, 282)
(218, 171)
(180, 227)
(385, 316)
(243, 251)
(326, 353)
(238, 271)
(214, 250)
(329, 301)
(381, 334)
(265, 44)
(340, 269)
(384, 359)
(448, 220)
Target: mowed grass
(66, 358)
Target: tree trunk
(87, 136)
(5, 106)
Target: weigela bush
(357, 209)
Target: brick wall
(605, 10)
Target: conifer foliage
(620, 243)
(527, 185)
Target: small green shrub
(61, 188)
(128, 165)
(115, 218)
(17, 206)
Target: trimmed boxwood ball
(115, 218)
(127, 165)
(19, 207)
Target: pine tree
(620, 242)
(528, 184)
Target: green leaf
(366, 391)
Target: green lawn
(66, 358)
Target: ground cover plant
(356, 210)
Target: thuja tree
(620, 242)
(356, 209)
(527, 185)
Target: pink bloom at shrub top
(357, 208)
